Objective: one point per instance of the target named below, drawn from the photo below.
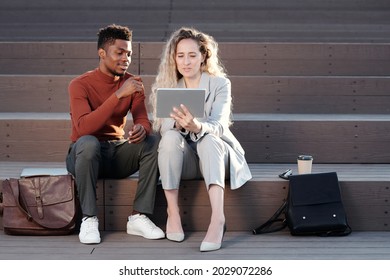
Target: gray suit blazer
(216, 120)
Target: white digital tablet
(192, 98)
(29, 172)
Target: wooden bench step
(266, 138)
(251, 94)
(289, 59)
(365, 190)
(319, 21)
(244, 59)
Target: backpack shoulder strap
(267, 226)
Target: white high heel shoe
(176, 237)
(211, 246)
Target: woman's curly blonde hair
(168, 75)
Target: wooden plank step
(364, 187)
(214, 5)
(290, 59)
(245, 59)
(263, 172)
(266, 138)
(329, 138)
(251, 94)
(362, 245)
(238, 32)
(236, 21)
(53, 58)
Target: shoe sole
(90, 241)
(133, 232)
(175, 237)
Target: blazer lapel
(205, 83)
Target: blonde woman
(197, 147)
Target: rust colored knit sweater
(96, 110)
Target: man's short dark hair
(110, 33)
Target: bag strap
(19, 198)
(1, 202)
(266, 227)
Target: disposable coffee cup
(305, 163)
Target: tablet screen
(192, 98)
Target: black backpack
(313, 207)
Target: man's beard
(116, 73)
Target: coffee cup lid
(305, 157)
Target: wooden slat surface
(251, 94)
(311, 59)
(43, 140)
(329, 142)
(264, 172)
(365, 190)
(364, 187)
(237, 245)
(229, 21)
(307, 51)
(34, 93)
(310, 94)
(267, 138)
(53, 58)
(248, 59)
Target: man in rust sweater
(99, 103)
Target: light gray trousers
(182, 160)
(88, 159)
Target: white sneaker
(141, 225)
(89, 230)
